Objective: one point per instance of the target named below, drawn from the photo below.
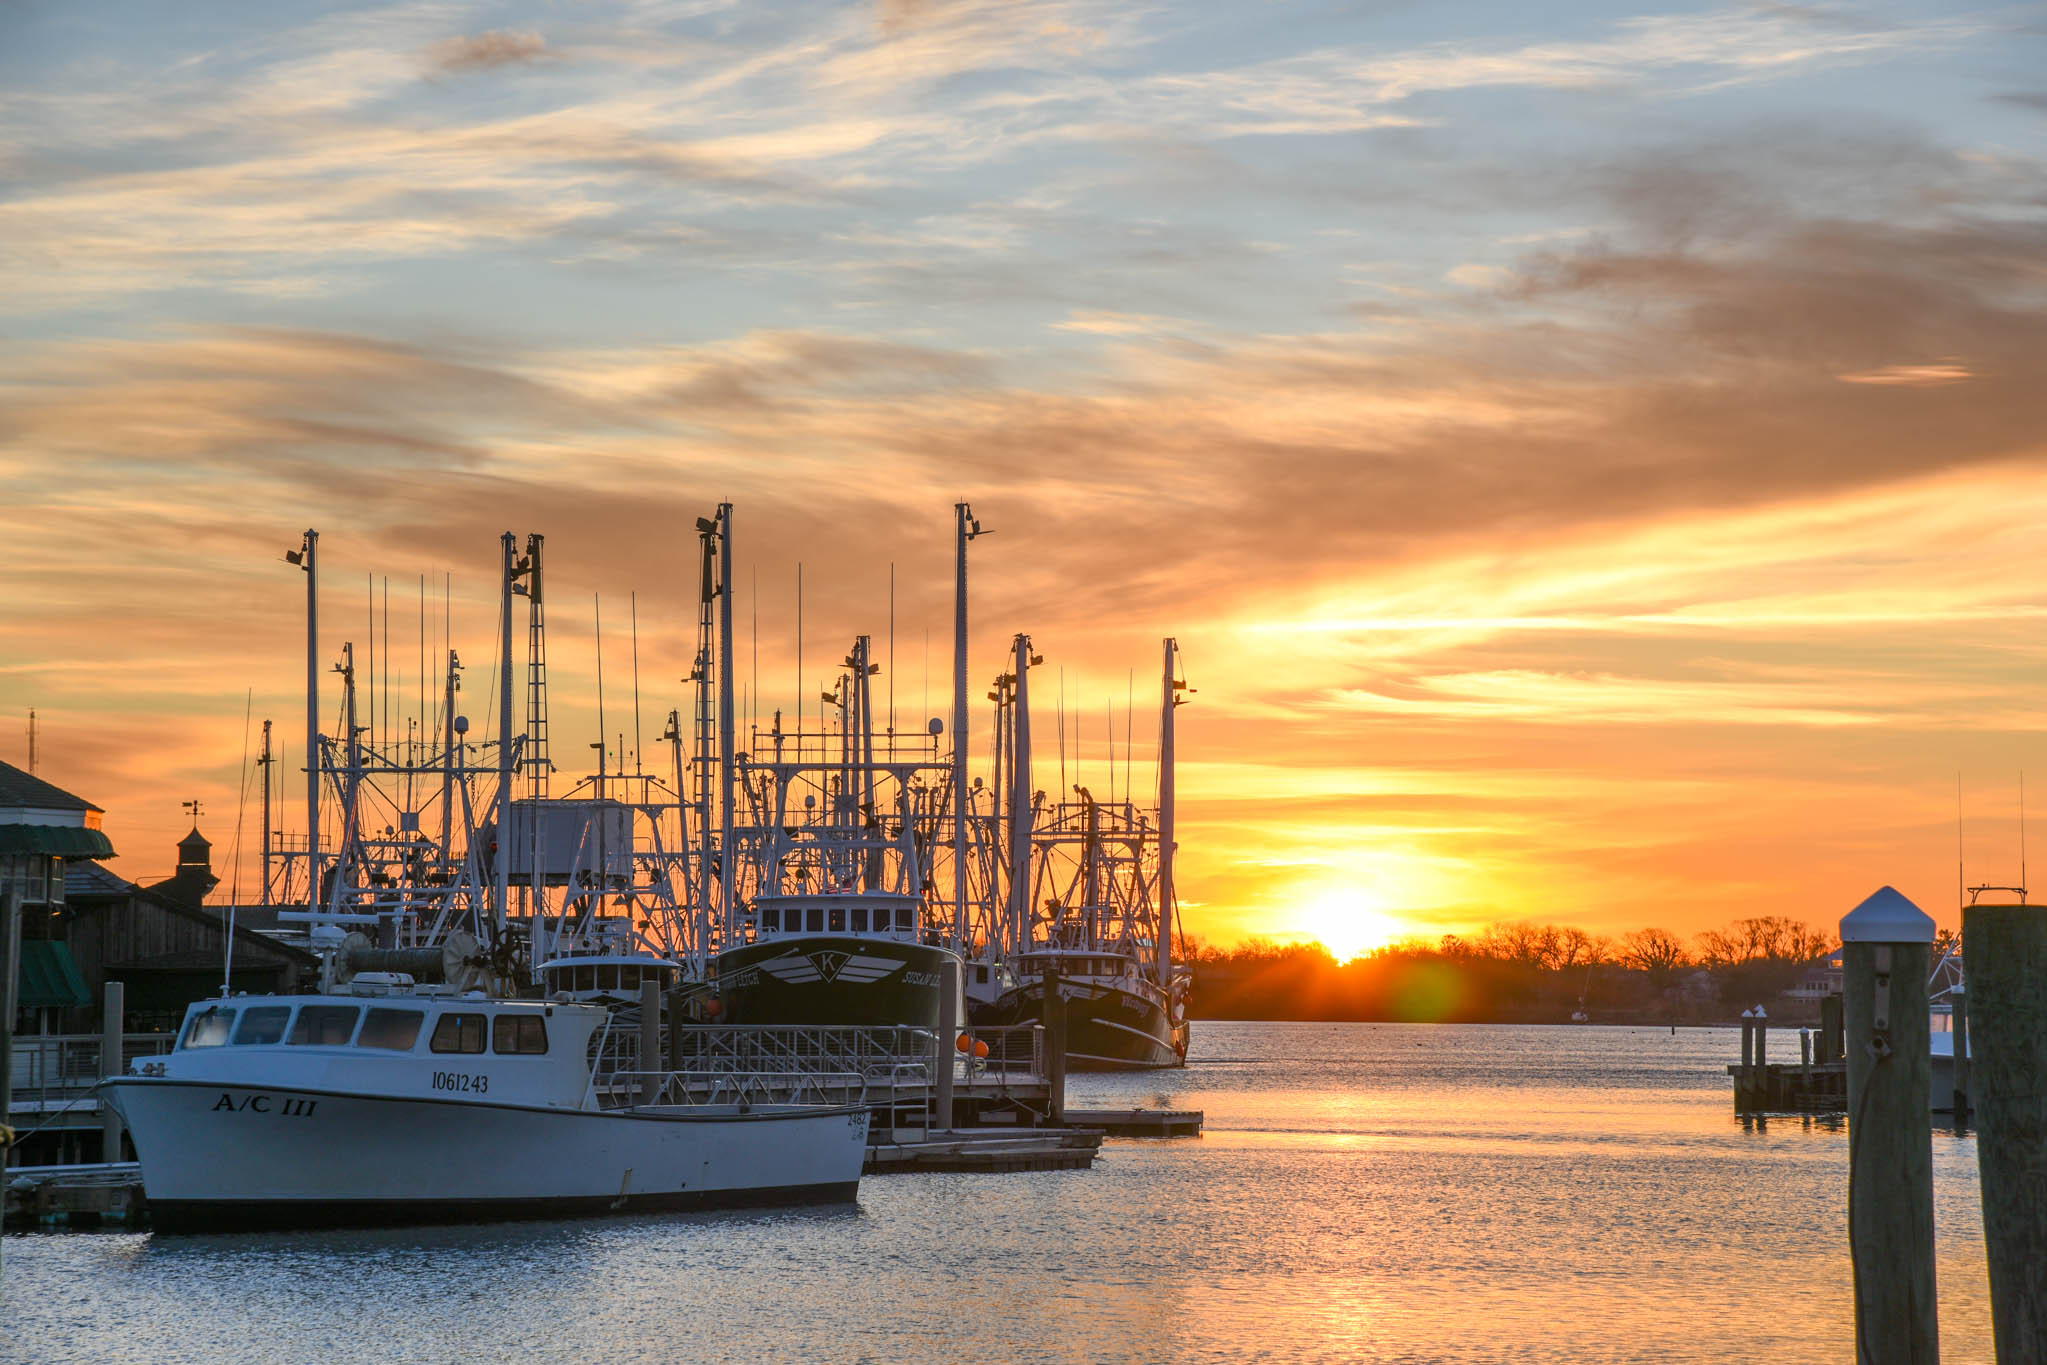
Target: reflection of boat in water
(405, 1107)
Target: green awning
(49, 977)
(59, 841)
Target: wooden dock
(1141, 1123)
(989, 1151)
(1790, 1088)
(74, 1196)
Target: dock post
(948, 1044)
(1762, 1082)
(2005, 950)
(10, 976)
(1805, 1063)
(650, 1066)
(1745, 1079)
(114, 1007)
(1960, 998)
(1054, 1014)
(1886, 942)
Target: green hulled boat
(855, 967)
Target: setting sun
(1347, 922)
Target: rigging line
(234, 895)
(597, 614)
(799, 645)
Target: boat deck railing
(1014, 1054)
(729, 1089)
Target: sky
(1590, 456)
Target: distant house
(1823, 977)
(83, 926)
(44, 830)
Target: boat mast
(965, 529)
(305, 559)
(264, 763)
(1169, 701)
(502, 857)
(1020, 800)
(726, 723)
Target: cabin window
(859, 919)
(906, 920)
(263, 1024)
(838, 920)
(981, 975)
(458, 1033)
(397, 1030)
(814, 919)
(324, 1026)
(209, 1028)
(518, 1033)
(629, 978)
(771, 920)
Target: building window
(458, 1033)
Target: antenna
(2022, 834)
(1961, 879)
(31, 741)
(891, 646)
(638, 739)
(799, 644)
(597, 610)
(234, 894)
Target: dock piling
(1054, 1015)
(1960, 996)
(113, 1007)
(948, 1034)
(651, 1065)
(2005, 947)
(1886, 943)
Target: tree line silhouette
(1520, 973)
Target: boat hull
(827, 979)
(220, 1156)
(1108, 1027)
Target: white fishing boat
(397, 1105)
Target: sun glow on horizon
(1348, 921)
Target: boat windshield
(262, 1024)
(208, 1028)
(324, 1025)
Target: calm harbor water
(1364, 1192)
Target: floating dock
(74, 1196)
(1139, 1123)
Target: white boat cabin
(388, 1040)
(867, 914)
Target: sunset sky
(1592, 457)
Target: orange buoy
(964, 1043)
(980, 1048)
(713, 1007)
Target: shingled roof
(21, 788)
